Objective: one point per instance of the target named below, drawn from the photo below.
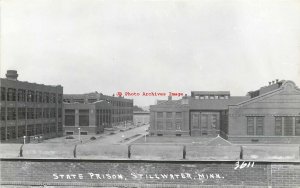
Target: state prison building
(92, 112)
(271, 113)
(29, 109)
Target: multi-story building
(270, 113)
(29, 109)
(92, 112)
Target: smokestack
(12, 75)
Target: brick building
(141, 117)
(29, 109)
(92, 112)
(272, 112)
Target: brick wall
(85, 173)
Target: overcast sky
(151, 46)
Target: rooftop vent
(12, 75)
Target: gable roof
(287, 86)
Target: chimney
(273, 82)
(169, 98)
(185, 96)
(270, 83)
(277, 81)
(12, 75)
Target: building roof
(215, 104)
(141, 112)
(210, 93)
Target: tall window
(69, 117)
(3, 114)
(11, 114)
(297, 126)
(250, 125)
(159, 114)
(288, 126)
(3, 96)
(160, 125)
(278, 126)
(30, 96)
(21, 95)
(259, 125)
(39, 97)
(21, 113)
(39, 113)
(11, 94)
(83, 117)
(30, 113)
(46, 113)
(46, 97)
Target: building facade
(88, 118)
(29, 109)
(92, 112)
(270, 113)
(141, 117)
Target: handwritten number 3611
(243, 165)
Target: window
(69, 117)
(46, 97)
(30, 96)
(297, 126)
(3, 96)
(30, 113)
(39, 97)
(52, 113)
(159, 114)
(69, 133)
(288, 126)
(214, 121)
(46, 113)
(21, 113)
(3, 113)
(84, 133)
(250, 125)
(160, 125)
(204, 120)
(21, 131)
(11, 114)
(169, 125)
(178, 115)
(11, 94)
(278, 126)
(259, 125)
(21, 95)
(178, 125)
(255, 125)
(83, 117)
(39, 113)
(169, 114)
(59, 98)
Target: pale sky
(151, 46)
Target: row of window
(30, 113)
(211, 97)
(23, 95)
(169, 125)
(284, 126)
(32, 130)
(169, 114)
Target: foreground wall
(84, 173)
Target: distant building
(29, 109)
(270, 113)
(92, 112)
(141, 117)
